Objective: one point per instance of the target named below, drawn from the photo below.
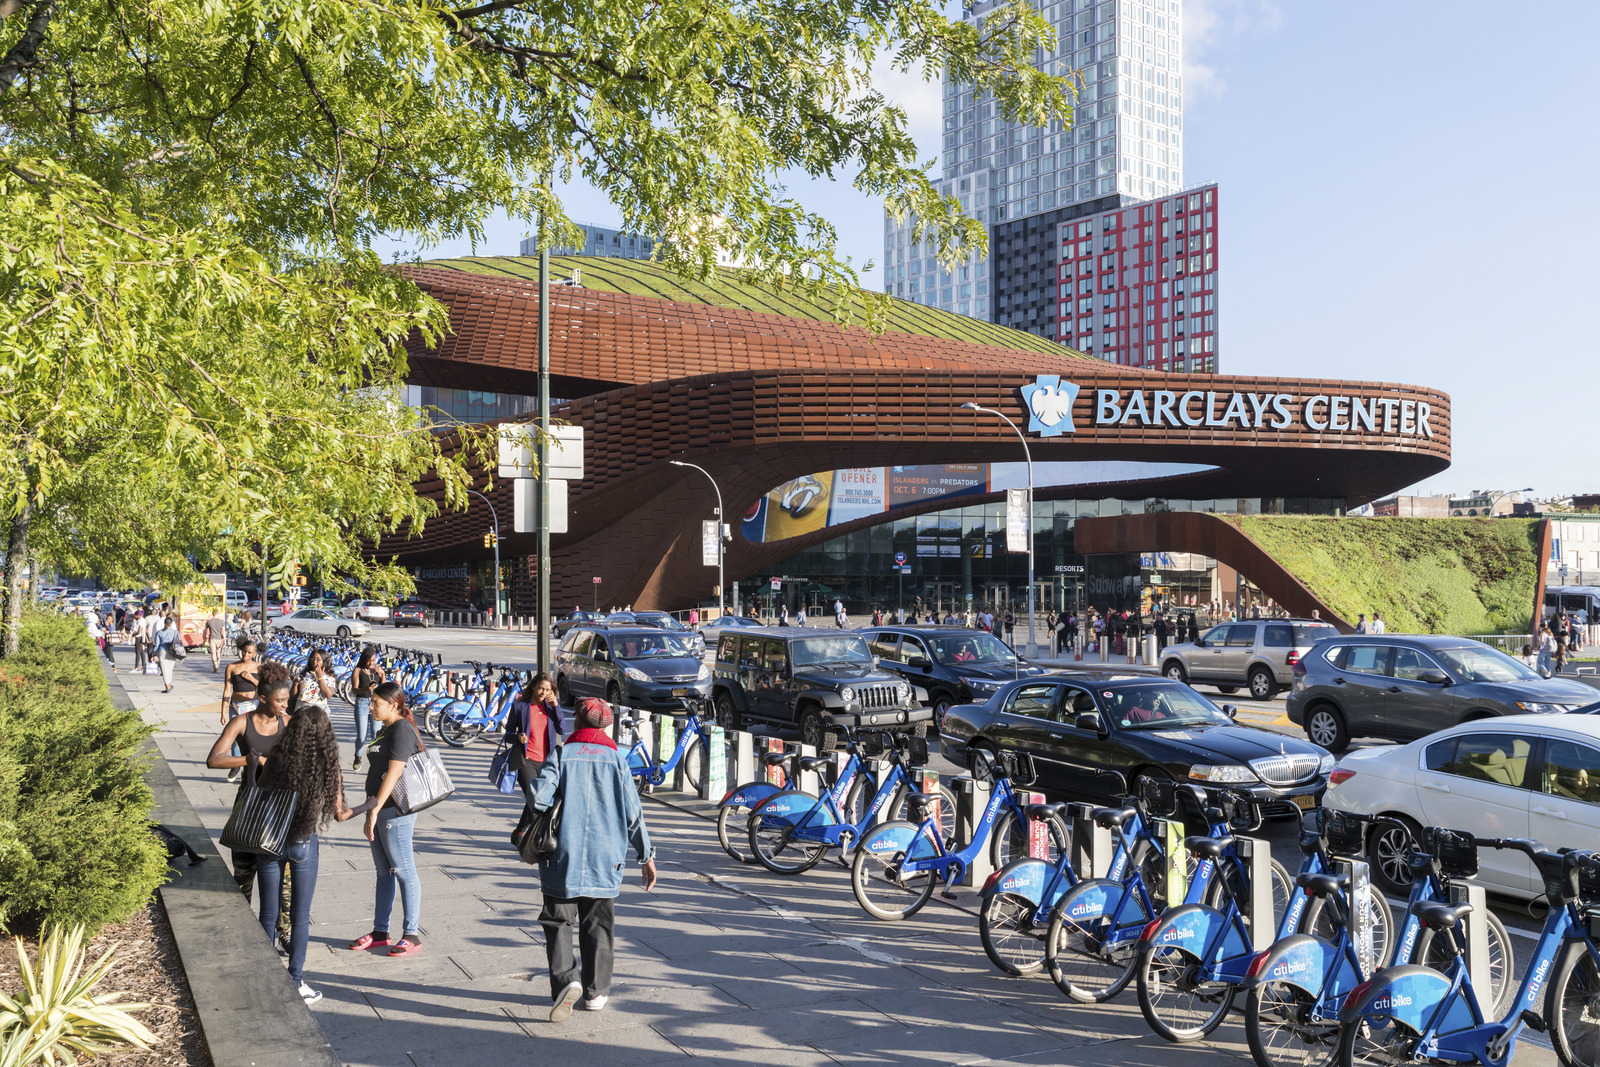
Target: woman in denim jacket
(600, 817)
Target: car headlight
(981, 685)
(1223, 773)
(903, 689)
(847, 695)
(634, 674)
(1327, 765)
(704, 675)
(1533, 707)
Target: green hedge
(75, 846)
(1453, 576)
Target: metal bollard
(714, 775)
(1105, 648)
(1258, 915)
(1091, 844)
(808, 779)
(972, 797)
(1475, 929)
(744, 759)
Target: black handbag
(261, 819)
(543, 835)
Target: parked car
(1094, 735)
(688, 635)
(811, 680)
(954, 664)
(1404, 686)
(368, 610)
(1258, 654)
(574, 618)
(1532, 776)
(413, 613)
(322, 622)
(235, 599)
(634, 666)
(710, 630)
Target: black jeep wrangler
(812, 680)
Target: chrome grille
(878, 696)
(1285, 770)
(677, 678)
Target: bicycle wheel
(1081, 965)
(947, 814)
(696, 763)
(774, 845)
(1278, 1026)
(1375, 1042)
(1012, 942)
(882, 890)
(431, 719)
(1176, 998)
(732, 815)
(458, 731)
(1573, 1010)
(1380, 922)
(1009, 839)
(1502, 965)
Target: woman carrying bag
(533, 733)
(387, 829)
(255, 736)
(169, 650)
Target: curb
(249, 1011)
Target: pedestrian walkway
(723, 963)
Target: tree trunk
(16, 560)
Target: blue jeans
(365, 727)
(302, 858)
(391, 854)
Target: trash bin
(1150, 650)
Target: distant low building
(1413, 507)
(605, 241)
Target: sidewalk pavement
(722, 963)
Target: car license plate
(682, 692)
(1305, 801)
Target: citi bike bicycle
(692, 751)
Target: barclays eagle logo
(1049, 401)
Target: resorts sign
(1050, 402)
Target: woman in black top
(363, 680)
(388, 830)
(248, 740)
(239, 691)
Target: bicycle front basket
(1160, 796)
(1344, 833)
(916, 750)
(871, 746)
(1454, 849)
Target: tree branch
(23, 53)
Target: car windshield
(666, 622)
(1160, 707)
(814, 651)
(647, 646)
(971, 649)
(1480, 663)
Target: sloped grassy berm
(75, 844)
(1455, 576)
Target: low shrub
(74, 844)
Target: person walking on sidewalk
(216, 634)
(306, 760)
(239, 690)
(366, 677)
(248, 740)
(168, 650)
(140, 649)
(533, 730)
(600, 817)
(388, 830)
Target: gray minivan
(1406, 686)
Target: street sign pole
(544, 456)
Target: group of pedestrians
(1560, 637)
(154, 634)
(277, 733)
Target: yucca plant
(58, 1016)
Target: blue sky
(1403, 199)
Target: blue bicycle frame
(820, 819)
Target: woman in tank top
(256, 735)
(239, 691)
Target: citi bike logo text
(1083, 908)
(1285, 968)
(1391, 1000)
(1012, 883)
(1538, 978)
(881, 845)
(1178, 933)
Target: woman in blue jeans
(306, 760)
(388, 830)
(366, 677)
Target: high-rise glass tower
(1125, 144)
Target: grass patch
(1455, 576)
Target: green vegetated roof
(733, 289)
(1447, 576)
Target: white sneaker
(562, 1009)
(309, 995)
(593, 1003)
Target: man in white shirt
(1377, 624)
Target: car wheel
(727, 714)
(814, 731)
(614, 695)
(1325, 726)
(563, 691)
(1227, 690)
(1176, 672)
(941, 707)
(343, 631)
(1389, 848)
(1262, 684)
(982, 760)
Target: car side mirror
(1434, 677)
(1230, 710)
(1090, 721)
(919, 663)
(601, 655)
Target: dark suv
(635, 666)
(814, 680)
(1405, 686)
(956, 665)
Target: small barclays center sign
(1050, 401)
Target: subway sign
(1050, 401)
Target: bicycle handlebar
(1526, 845)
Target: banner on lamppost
(1016, 520)
(710, 548)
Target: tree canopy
(200, 353)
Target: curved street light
(1028, 454)
(496, 520)
(721, 609)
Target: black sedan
(1092, 736)
(575, 618)
(413, 613)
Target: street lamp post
(496, 520)
(679, 463)
(1494, 498)
(1028, 455)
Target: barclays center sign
(1050, 401)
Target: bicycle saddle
(1321, 885)
(1208, 847)
(773, 759)
(1113, 817)
(1041, 811)
(812, 763)
(917, 805)
(628, 723)
(1437, 916)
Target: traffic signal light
(490, 540)
(299, 573)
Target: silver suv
(1258, 654)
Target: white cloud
(1207, 24)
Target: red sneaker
(405, 946)
(377, 937)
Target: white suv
(370, 610)
(1259, 654)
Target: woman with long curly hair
(305, 760)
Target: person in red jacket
(535, 724)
